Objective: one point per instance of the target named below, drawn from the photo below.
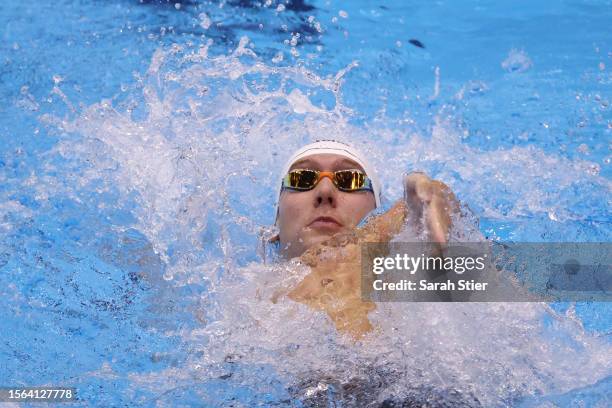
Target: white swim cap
(340, 149)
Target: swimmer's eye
(344, 180)
(352, 180)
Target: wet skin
(319, 227)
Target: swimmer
(327, 189)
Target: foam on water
(193, 154)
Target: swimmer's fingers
(437, 216)
(417, 194)
(434, 200)
(417, 188)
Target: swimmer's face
(306, 218)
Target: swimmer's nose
(325, 193)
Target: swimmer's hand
(431, 204)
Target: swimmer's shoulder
(383, 223)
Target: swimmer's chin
(319, 237)
(310, 238)
(290, 252)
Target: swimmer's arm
(422, 197)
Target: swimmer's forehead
(326, 162)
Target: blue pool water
(140, 146)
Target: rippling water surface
(141, 145)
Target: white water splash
(517, 61)
(198, 149)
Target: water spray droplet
(205, 21)
(278, 57)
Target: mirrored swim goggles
(344, 180)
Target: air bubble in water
(294, 39)
(205, 21)
(517, 61)
(278, 57)
(593, 169)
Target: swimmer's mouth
(325, 222)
